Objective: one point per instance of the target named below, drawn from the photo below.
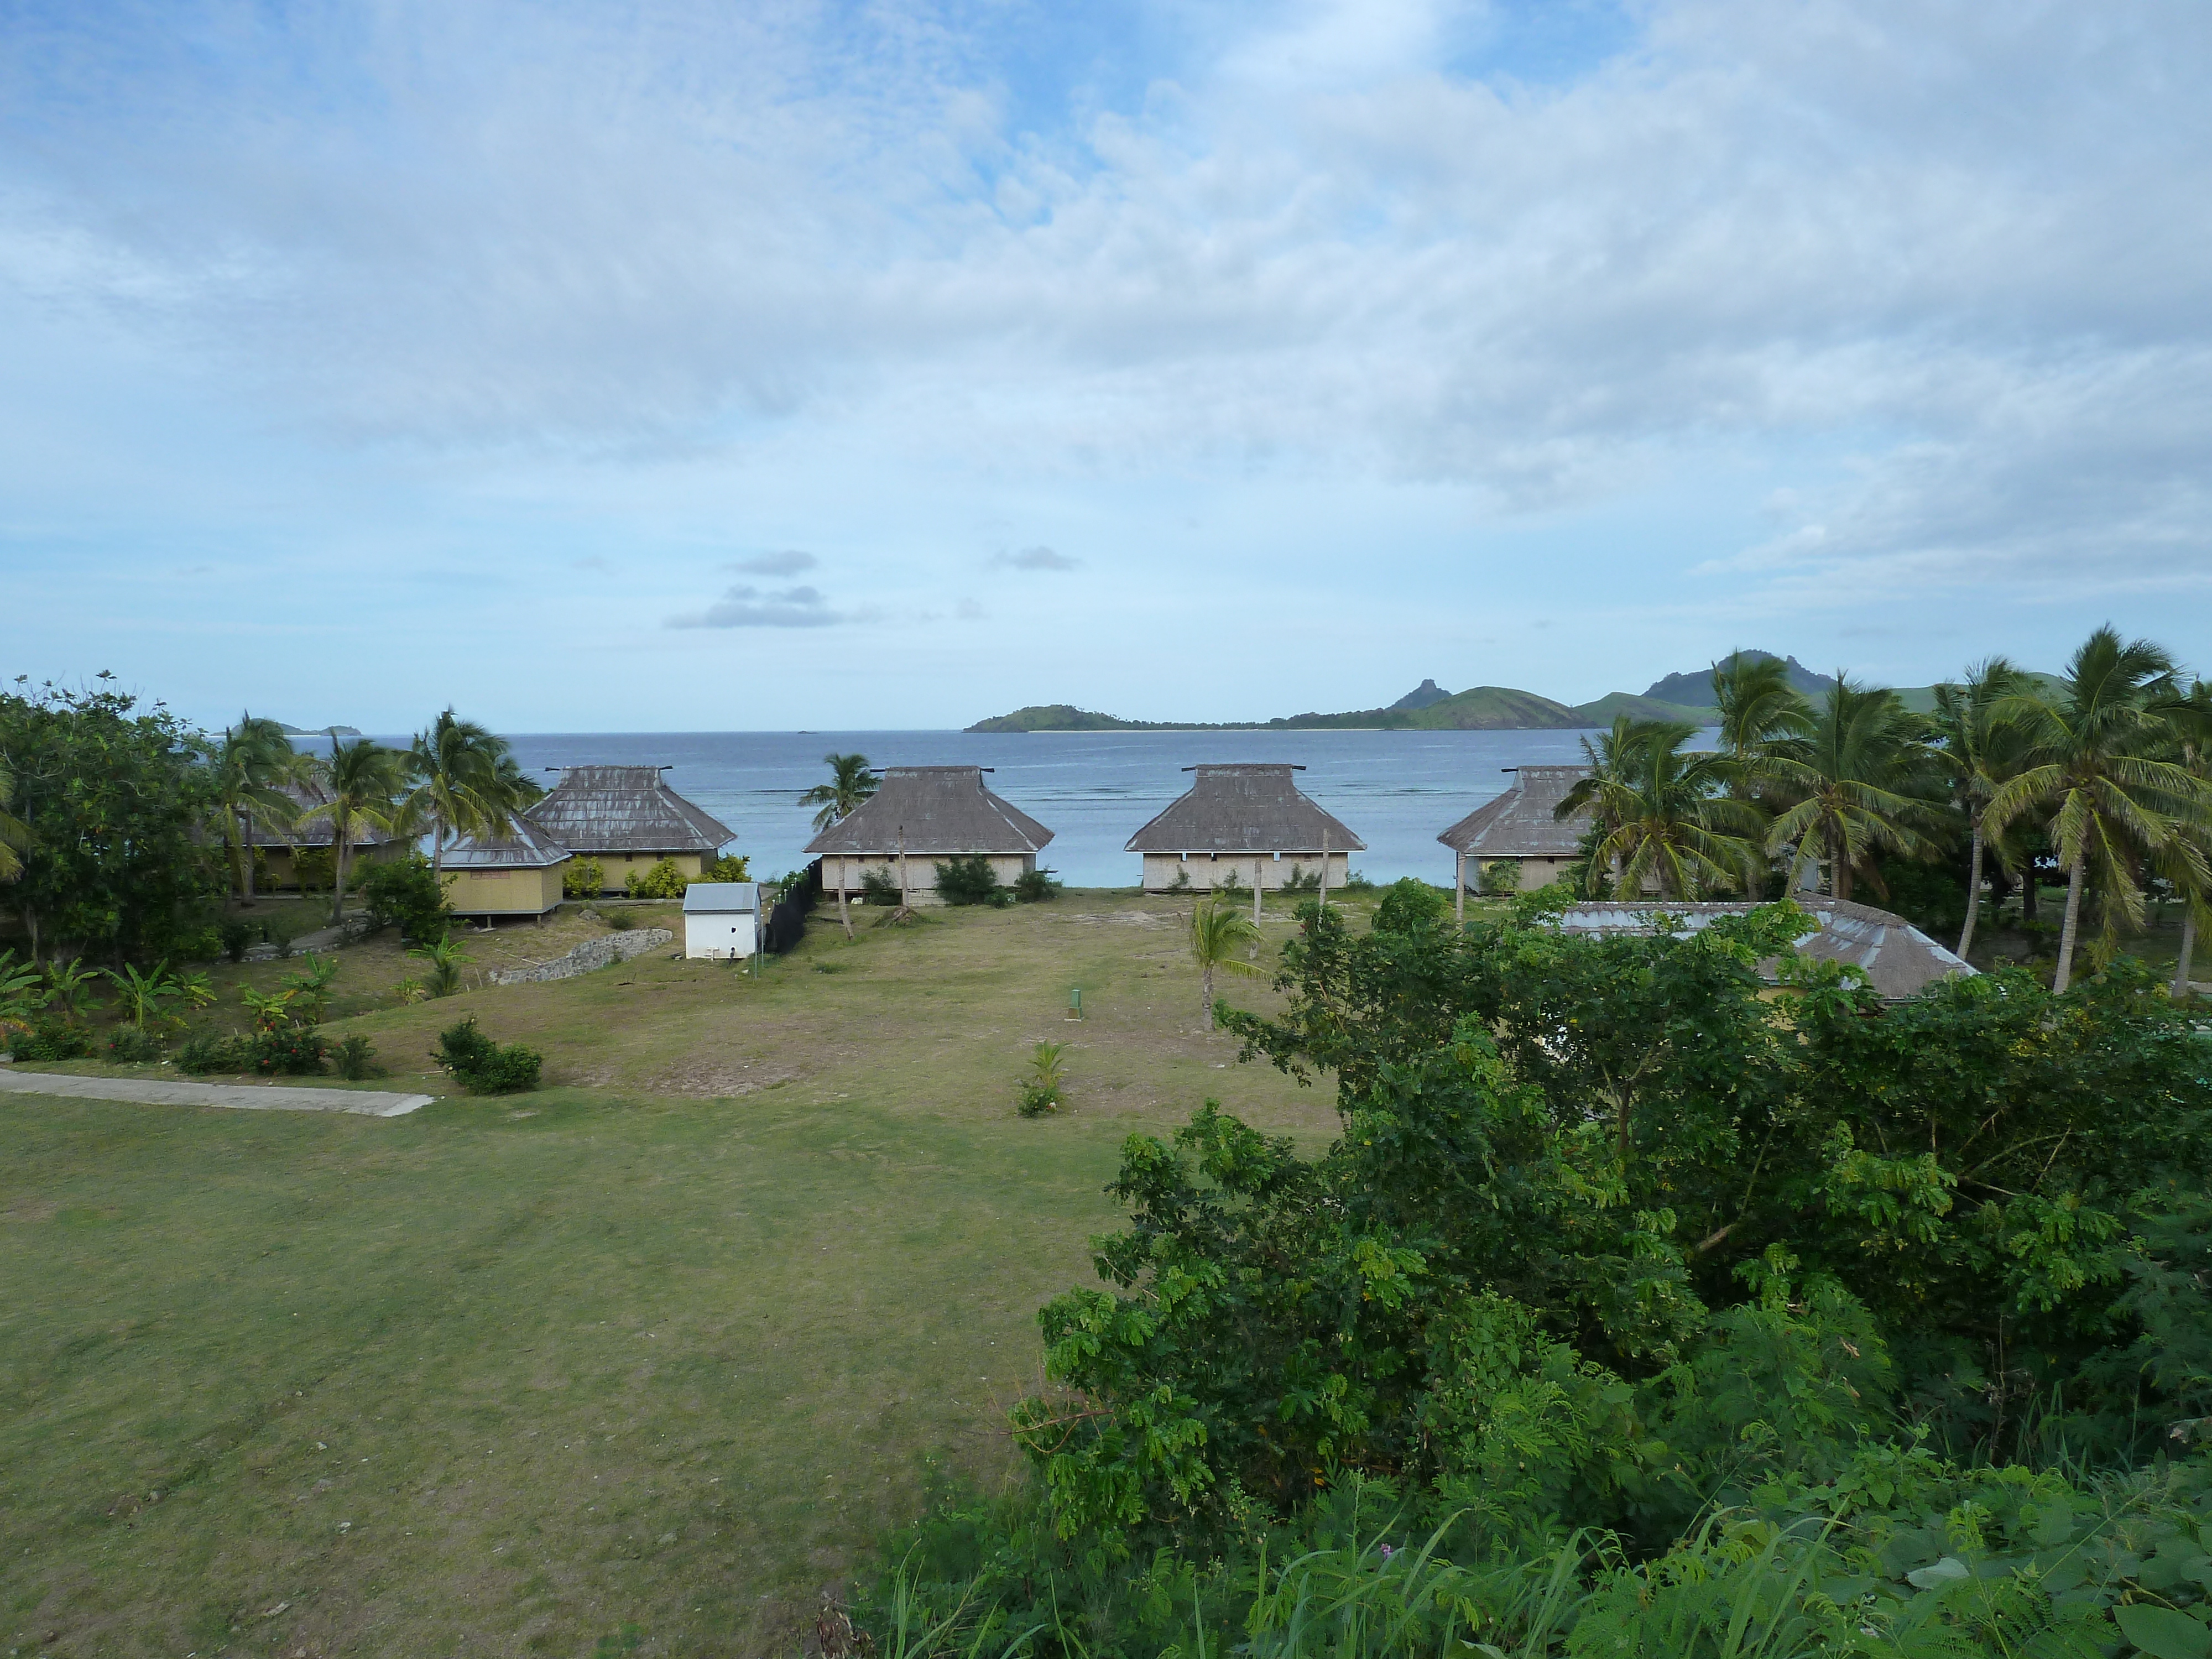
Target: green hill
(1604, 711)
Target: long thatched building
(918, 816)
(629, 819)
(1245, 825)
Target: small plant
(1357, 882)
(410, 991)
(144, 998)
(133, 1045)
(1036, 887)
(730, 867)
(51, 1039)
(269, 1009)
(1230, 884)
(1182, 883)
(235, 935)
(356, 1058)
(444, 961)
(1501, 876)
(971, 880)
(662, 881)
(482, 1065)
(209, 1052)
(619, 921)
(1040, 1091)
(286, 1051)
(876, 887)
(582, 879)
(311, 989)
(1303, 878)
(314, 869)
(69, 988)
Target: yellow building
(516, 874)
(629, 819)
(277, 848)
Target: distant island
(318, 731)
(1429, 707)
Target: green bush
(235, 937)
(314, 869)
(1303, 878)
(1036, 887)
(970, 880)
(132, 1045)
(1501, 876)
(286, 1051)
(406, 894)
(207, 1052)
(732, 867)
(662, 881)
(482, 1065)
(582, 879)
(355, 1057)
(879, 888)
(53, 1039)
(1357, 882)
(1040, 1091)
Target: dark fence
(786, 920)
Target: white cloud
(749, 607)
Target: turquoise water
(1395, 789)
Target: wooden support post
(1259, 881)
(1459, 887)
(1323, 904)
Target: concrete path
(251, 1096)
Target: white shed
(721, 919)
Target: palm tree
(1979, 750)
(461, 785)
(850, 783)
(1858, 783)
(2090, 772)
(359, 781)
(1760, 710)
(2190, 718)
(252, 763)
(1661, 815)
(1218, 934)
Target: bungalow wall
(617, 868)
(1535, 872)
(1203, 872)
(503, 892)
(278, 867)
(846, 869)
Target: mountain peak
(1693, 688)
(1423, 695)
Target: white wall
(1205, 870)
(838, 869)
(711, 935)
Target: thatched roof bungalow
(629, 819)
(1899, 959)
(919, 815)
(277, 847)
(1519, 828)
(515, 874)
(1246, 823)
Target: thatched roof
(1519, 823)
(305, 796)
(524, 847)
(1243, 809)
(624, 809)
(937, 811)
(1898, 958)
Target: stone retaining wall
(601, 952)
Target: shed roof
(307, 795)
(1519, 823)
(1244, 809)
(624, 809)
(721, 898)
(933, 810)
(523, 846)
(1899, 959)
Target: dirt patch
(719, 1079)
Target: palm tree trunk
(2065, 976)
(1259, 881)
(1973, 893)
(245, 847)
(1839, 867)
(341, 856)
(438, 845)
(2188, 945)
(1206, 983)
(1459, 885)
(844, 915)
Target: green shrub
(235, 936)
(286, 1051)
(662, 881)
(970, 880)
(618, 922)
(1501, 876)
(132, 1045)
(280, 931)
(1357, 882)
(53, 1039)
(1036, 887)
(582, 879)
(406, 894)
(1230, 883)
(1303, 878)
(877, 887)
(1410, 904)
(209, 1052)
(1039, 1093)
(733, 866)
(354, 1057)
(314, 870)
(482, 1065)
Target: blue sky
(698, 365)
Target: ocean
(1396, 790)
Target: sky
(681, 365)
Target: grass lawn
(651, 1355)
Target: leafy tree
(1978, 749)
(109, 799)
(2090, 773)
(971, 880)
(360, 784)
(1219, 934)
(1663, 820)
(15, 834)
(409, 894)
(1860, 783)
(1761, 713)
(465, 782)
(851, 783)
